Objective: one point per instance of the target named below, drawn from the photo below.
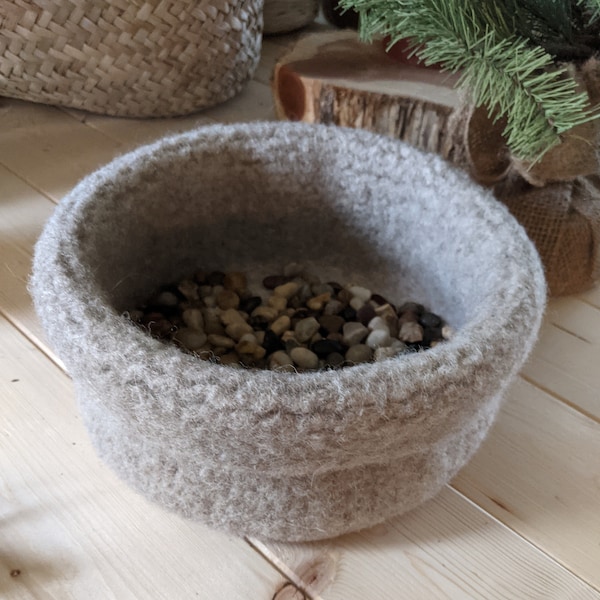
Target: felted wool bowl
(288, 456)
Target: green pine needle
(508, 74)
(593, 6)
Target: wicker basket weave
(134, 58)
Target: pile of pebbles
(297, 324)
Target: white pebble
(361, 292)
(354, 333)
(378, 338)
(378, 323)
(356, 303)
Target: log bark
(334, 78)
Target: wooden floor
(521, 521)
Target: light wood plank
(23, 212)
(568, 367)
(48, 148)
(539, 473)
(71, 529)
(447, 549)
(577, 317)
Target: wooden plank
(446, 549)
(566, 366)
(539, 473)
(48, 148)
(23, 212)
(72, 530)
(577, 317)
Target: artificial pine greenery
(509, 53)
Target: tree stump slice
(334, 78)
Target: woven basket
(135, 58)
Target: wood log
(334, 78)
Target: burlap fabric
(556, 199)
(286, 455)
(135, 58)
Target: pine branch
(507, 74)
(593, 6)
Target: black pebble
(324, 347)
(249, 304)
(348, 313)
(272, 342)
(429, 319)
(365, 313)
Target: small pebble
(190, 338)
(227, 299)
(303, 323)
(287, 290)
(236, 331)
(304, 358)
(365, 313)
(331, 323)
(333, 307)
(279, 303)
(189, 289)
(235, 281)
(359, 353)
(378, 338)
(354, 333)
(378, 323)
(306, 328)
(281, 361)
(334, 360)
(266, 312)
(193, 318)
(358, 291)
(318, 302)
(281, 324)
(411, 332)
(221, 341)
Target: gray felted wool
(271, 454)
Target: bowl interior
(405, 226)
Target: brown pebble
(287, 290)
(227, 299)
(235, 281)
(331, 323)
(365, 313)
(318, 302)
(411, 332)
(221, 341)
(281, 324)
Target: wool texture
(287, 456)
